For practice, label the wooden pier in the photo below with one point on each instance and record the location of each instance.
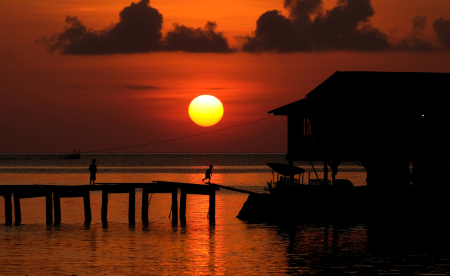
(53, 193)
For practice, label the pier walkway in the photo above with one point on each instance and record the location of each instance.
(53, 193)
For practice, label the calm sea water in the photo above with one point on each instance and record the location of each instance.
(229, 247)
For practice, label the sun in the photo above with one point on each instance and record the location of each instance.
(206, 110)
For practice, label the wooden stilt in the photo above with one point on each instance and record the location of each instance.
(8, 209)
(105, 206)
(291, 175)
(17, 213)
(87, 208)
(49, 208)
(54, 194)
(175, 206)
(57, 208)
(183, 206)
(144, 210)
(132, 207)
(212, 206)
(325, 173)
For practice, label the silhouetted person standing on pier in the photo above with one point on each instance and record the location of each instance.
(93, 171)
(208, 174)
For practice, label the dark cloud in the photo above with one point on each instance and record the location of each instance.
(182, 38)
(345, 27)
(140, 87)
(442, 29)
(139, 30)
(275, 32)
(306, 28)
(419, 24)
(414, 42)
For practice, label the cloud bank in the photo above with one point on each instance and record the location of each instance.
(138, 31)
(415, 42)
(182, 38)
(442, 29)
(347, 26)
(307, 27)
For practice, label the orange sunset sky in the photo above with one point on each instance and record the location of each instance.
(104, 80)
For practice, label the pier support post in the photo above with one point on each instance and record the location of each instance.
(8, 209)
(132, 207)
(183, 206)
(325, 173)
(49, 208)
(175, 205)
(17, 213)
(87, 208)
(212, 206)
(144, 210)
(57, 208)
(105, 206)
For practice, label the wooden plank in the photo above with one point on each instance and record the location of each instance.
(49, 208)
(175, 206)
(235, 189)
(212, 207)
(183, 206)
(132, 207)
(105, 206)
(17, 213)
(87, 208)
(144, 210)
(57, 208)
(8, 209)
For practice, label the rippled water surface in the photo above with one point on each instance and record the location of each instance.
(228, 247)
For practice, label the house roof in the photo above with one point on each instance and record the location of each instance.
(366, 91)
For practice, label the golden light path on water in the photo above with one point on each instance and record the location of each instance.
(228, 247)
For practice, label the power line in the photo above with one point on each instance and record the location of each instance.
(179, 138)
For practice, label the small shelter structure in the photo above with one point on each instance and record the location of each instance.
(385, 120)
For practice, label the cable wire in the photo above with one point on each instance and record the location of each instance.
(179, 138)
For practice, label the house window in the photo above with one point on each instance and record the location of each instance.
(306, 127)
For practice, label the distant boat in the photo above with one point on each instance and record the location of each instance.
(73, 155)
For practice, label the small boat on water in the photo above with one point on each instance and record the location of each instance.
(294, 195)
(73, 155)
(304, 200)
(283, 181)
(284, 172)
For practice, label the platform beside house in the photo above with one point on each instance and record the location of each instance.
(382, 120)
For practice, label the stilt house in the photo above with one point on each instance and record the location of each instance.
(384, 120)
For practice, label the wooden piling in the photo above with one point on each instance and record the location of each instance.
(49, 208)
(17, 213)
(54, 193)
(8, 209)
(87, 208)
(144, 210)
(175, 205)
(132, 207)
(183, 194)
(57, 208)
(212, 206)
(105, 206)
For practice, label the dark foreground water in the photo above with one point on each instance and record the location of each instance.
(229, 247)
